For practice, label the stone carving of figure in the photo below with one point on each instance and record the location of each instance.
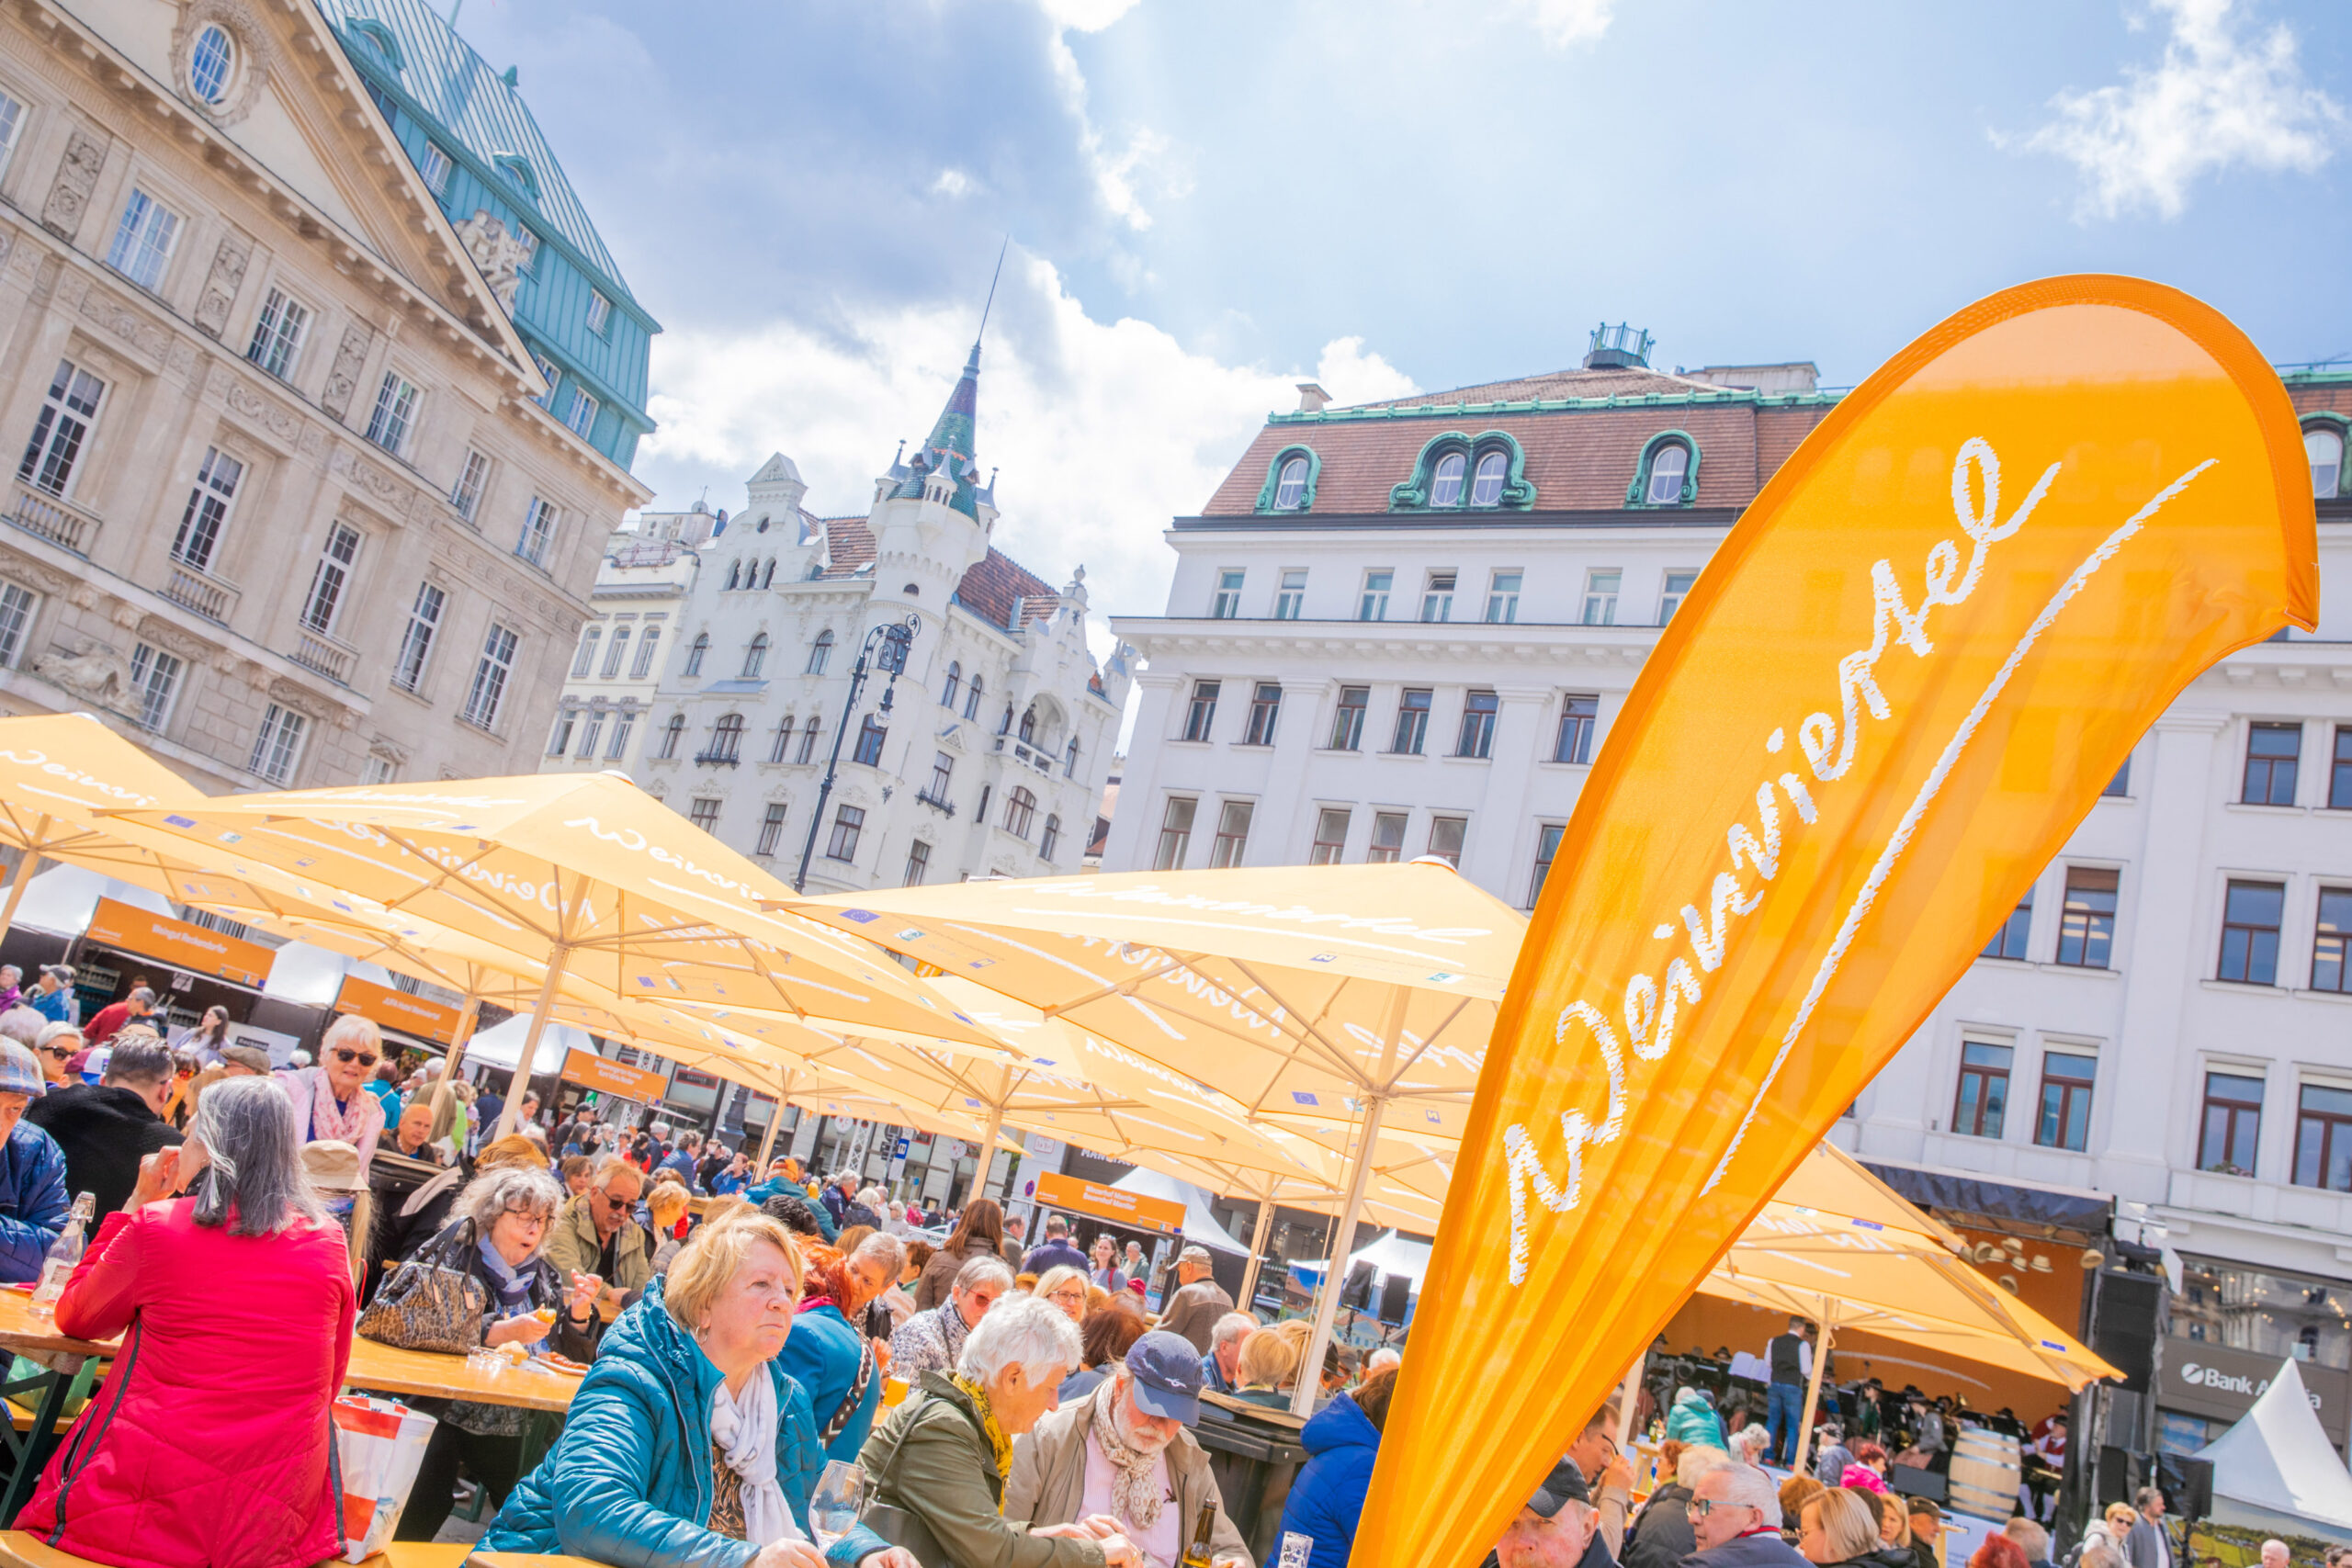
(94, 672)
(498, 251)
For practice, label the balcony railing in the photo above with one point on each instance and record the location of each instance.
(1022, 751)
(322, 655)
(201, 591)
(60, 522)
(935, 803)
(717, 757)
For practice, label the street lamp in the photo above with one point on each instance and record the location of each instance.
(885, 647)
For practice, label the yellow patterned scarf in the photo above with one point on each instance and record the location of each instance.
(996, 1440)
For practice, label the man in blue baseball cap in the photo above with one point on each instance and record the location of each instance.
(1122, 1461)
(1556, 1529)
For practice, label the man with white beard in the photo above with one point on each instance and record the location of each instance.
(1122, 1461)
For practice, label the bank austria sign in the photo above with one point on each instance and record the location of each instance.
(2221, 1382)
(2199, 1376)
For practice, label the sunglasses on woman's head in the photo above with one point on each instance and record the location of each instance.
(344, 1054)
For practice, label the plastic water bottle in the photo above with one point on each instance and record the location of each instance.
(64, 1255)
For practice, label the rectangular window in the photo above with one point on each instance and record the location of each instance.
(1983, 1094)
(2010, 941)
(1446, 838)
(331, 578)
(849, 822)
(917, 862)
(2339, 772)
(1437, 598)
(942, 775)
(646, 646)
(376, 770)
(2331, 942)
(704, 814)
(1678, 589)
(530, 243)
(870, 737)
(488, 689)
(2271, 751)
(435, 169)
(154, 681)
(1232, 834)
(388, 426)
(67, 412)
(12, 121)
(1265, 707)
(538, 529)
(278, 748)
(614, 653)
(1291, 599)
(278, 335)
(2065, 1119)
(1226, 604)
(551, 375)
(2230, 1128)
(1330, 836)
(143, 240)
(15, 614)
(1412, 721)
(600, 311)
(621, 729)
(473, 478)
(1600, 596)
(1477, 737)
(591, 733)
(1373, 605)
(560, 738)
(1578, 718)
(1175, 833)
(1387, 839)
(582, 417)
(2086, 920)
(1503, 598)
(2251, 912)
(207, 509)
(2323, 1138)
(1347, 722)
(1201, 717)
(2121, 784)
(416, 638)
(1548, 848)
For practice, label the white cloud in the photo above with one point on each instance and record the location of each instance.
(1561, 23)
(2216, 100)
(953, 183)
(1103, 430)
(1146, 156)
(1085, 15)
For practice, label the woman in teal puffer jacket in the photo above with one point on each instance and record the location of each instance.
(1693, 1420)
(653, 1470)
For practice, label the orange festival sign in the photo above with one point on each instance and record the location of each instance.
(1902, 681)
(394, 1009)
(608, 1076)
(1079, 1196)
(177, 942)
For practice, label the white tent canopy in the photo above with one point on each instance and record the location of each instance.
(1199, 1226)
(2276, 1470)
(62, 899)
(1392, 1253)
(501, 1046)
(313, 976)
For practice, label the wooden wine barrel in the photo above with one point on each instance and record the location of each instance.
(1984, 1474)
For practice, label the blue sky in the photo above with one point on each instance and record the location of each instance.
(1209, 200)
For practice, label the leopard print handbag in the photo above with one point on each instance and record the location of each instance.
(428, 1304)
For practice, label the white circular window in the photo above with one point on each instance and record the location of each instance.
(211, 63)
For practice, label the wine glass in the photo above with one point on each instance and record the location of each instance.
(839, 1498)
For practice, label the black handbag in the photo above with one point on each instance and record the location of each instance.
(429, 1305)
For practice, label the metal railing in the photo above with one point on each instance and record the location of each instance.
(935, 803)
(192, 588)
(58, 521)
(717, 757)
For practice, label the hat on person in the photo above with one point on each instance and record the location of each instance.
(1563, 1486)
(1164, 1371)
(61, 973)
(333, 1165)
(1195, 1254)
(1137, 1286)
(20, 1074)
(1924, 1505)
(251, 1058)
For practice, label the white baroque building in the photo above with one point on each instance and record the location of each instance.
(642, 584)
(1405, 628)
(990, 753)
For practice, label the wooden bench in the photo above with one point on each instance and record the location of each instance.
(19, 1550)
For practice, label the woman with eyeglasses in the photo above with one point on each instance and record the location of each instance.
(53, 1047)
(331, 1101)
(498, 1239)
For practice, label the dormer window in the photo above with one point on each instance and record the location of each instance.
(2324, 446)
(518, 172)
(1290, 481)
(1446, 490)
(1488, 487)
(1291, 486)
(1668, 474)
(1456, 471)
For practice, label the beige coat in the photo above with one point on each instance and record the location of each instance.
(1048, 1481)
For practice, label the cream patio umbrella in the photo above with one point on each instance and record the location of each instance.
(1329, 998)
(584, 874)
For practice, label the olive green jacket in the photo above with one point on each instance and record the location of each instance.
(930, 1457)
(572, 1247)
(1048, 1481)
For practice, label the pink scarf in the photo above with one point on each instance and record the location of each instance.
(351, 1126)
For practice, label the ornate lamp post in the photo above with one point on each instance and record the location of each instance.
(886, 648)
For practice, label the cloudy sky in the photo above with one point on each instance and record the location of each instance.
(1209, 200)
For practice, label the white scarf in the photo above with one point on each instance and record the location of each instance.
(743, 1431)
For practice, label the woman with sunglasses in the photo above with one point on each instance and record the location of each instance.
(331, 1101)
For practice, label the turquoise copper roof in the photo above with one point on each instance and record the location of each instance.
(950, 446)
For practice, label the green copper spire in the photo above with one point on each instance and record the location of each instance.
(950, 447)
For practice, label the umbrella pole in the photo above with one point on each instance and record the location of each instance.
(1256, 1251)
(775, 1120)
(26, 866)
(521, 1082)
(445, 1085)
(1327, 1301)
(1813, 1388)
(987, 1150)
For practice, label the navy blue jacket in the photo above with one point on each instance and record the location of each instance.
(1055, 1255)
(1759, 1549)
(1327, 1499)
(33, 1202)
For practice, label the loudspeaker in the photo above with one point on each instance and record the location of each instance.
(2126, 1324)
(2119, 1475)
(1395, 1294)
(1356, 1295)
(2188, 1484)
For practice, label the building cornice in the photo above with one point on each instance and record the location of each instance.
(1645, 520)
(1393, 641)
(1716, 397)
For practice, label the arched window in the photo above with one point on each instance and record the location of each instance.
(1029, 726)
(727, 739)
(820, 651)
(695, 654)
(1669, 466)
(1020, 810)
(1446, 490)
(767, 575)
(2324, 448)
(782, 739)
(755, 656)
(809, 739)
(948, 693)
(671, 733)
(734, 575)
(1051, 838)
(1291, 488)
(613, 655)
(972, 702)
(647, 646)
(1069, 760)
(1004, 725)
(1487, 489)
(585, 659)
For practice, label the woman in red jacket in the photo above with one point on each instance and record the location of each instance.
(208, 1446)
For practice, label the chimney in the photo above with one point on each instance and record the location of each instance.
(1312, 399)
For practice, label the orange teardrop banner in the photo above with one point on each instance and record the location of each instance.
(1902, 680)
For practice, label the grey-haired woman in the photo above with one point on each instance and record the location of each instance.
(497, 1238)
